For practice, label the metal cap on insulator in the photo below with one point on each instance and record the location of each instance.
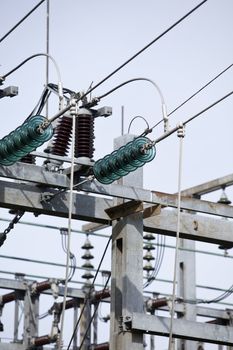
(87, 244)
(87, 275)
(148, 256)
(149, 237)
(149, 246)
(148, 267)
(87, 255)
(224, 199)
(87, 265)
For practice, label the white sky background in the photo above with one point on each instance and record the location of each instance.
(89, 39)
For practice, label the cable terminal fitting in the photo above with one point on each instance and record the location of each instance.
(73, 107)
(181, 130)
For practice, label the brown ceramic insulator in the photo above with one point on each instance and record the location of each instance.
(62, 137)
(84, 136)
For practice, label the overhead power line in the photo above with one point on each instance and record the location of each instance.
(130, 59)
(195, 93)
(147, 46)
(21, 21)
(198, 91)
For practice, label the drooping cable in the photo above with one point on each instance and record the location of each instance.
(3, 77)
(130, 59)
(164, 109)
(88, 295)
(181, 136)
(21, 21)
(137, 117)
(73, 265)
(73, 113)
(221, 297)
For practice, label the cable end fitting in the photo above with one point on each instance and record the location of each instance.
(165, 118)
(181, 130)
(2, 79)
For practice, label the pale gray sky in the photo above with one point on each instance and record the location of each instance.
(89, 39)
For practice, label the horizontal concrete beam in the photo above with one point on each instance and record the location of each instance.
(183, 329)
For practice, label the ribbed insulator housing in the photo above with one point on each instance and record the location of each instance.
(84, 134)
(29, 158)
(62, 137)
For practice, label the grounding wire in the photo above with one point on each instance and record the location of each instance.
(129, 60)
(23, 19)
(69, 229)
(195, 94)
(88, 295)
(181, 136)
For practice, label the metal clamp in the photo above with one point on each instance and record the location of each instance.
(125, 323)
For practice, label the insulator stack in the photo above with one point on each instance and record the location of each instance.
(84, 134)
(25, 139)
(124, 160)
(148, 247)
(62, 137)
(87, 256)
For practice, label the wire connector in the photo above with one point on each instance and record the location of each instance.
(181, 130)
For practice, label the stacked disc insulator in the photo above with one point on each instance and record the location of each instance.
(148, 257)
(87, 256)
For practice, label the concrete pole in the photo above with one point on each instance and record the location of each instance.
(187, 287)
(127, 268)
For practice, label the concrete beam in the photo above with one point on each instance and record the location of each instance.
(182, 329)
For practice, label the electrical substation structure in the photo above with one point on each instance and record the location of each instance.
(131, 210)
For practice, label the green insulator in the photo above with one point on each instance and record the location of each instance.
(100, 172)
(124, 160)
(144, 155)
(25, 139)
(114, 164)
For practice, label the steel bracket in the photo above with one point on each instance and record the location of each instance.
(125, 323)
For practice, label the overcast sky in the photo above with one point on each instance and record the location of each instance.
(89, 39)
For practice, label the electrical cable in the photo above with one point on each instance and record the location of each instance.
(88, 295)
(181, 136)
(202, 88)
(147, 46)
(130, 59)
(137, 117)
(17, 24)
(73, 113)
(195, 93)
(3, 77)
(165, 135)
(221, 297)
(72, 257)
(164, 109)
